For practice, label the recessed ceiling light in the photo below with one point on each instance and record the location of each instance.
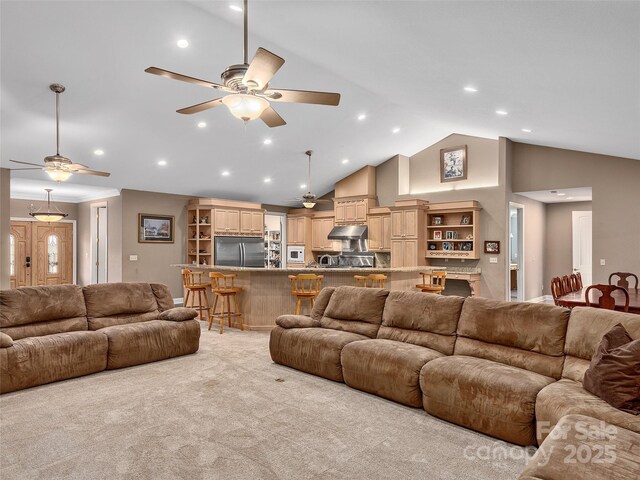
(526, 130)
(235, 8)
(304, 185)
(182, 43)
(560, 194)
(362, 116)
(395, 130)
(98, 152)
(267, 180)
(202, 124)
(225, 173)
(470, 89)
(346, 160)
(502, 112)
(267, 141)
(162, 163)
(569, 198)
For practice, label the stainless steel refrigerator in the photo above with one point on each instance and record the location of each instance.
(239, 252)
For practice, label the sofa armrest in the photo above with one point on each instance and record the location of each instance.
(5, 340)
(178, 314)
(297, 321)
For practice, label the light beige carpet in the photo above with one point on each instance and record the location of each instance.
(221, 414)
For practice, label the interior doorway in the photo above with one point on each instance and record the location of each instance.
(516, 253)
(582, 245)
(99, 273)
(41, 253)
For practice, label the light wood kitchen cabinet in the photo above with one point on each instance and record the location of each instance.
(351, 211)
(320, 228)
(226, 221)
(404, 224)
(251, 223)
(379, 227)
(404, 253)
(298, 230)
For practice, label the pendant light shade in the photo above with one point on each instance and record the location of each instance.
(245, 107)
(309, 204)
(48, 216)
(58, 175)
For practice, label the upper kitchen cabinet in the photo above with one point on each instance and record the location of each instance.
(226, 222)
(354, 195)
(351, 210)
(320, 228)
(379, 227)
(298, 230)
(252, 223)
(407, 236)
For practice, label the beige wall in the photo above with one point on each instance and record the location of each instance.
(362, 182)
(20, 208)
(616, 196)
(534, 245)
(153, 259)
(559, 253)
(5, 206)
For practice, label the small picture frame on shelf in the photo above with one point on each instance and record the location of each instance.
(451, 235)
(437, 220)
(433, 246)
(466, 220)
(492, 247)
(437, 234)
(466, 246)
(449, 246)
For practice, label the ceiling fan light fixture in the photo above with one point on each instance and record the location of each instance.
(58, 175)
(309, 204)
(244, 106)
(48, 216)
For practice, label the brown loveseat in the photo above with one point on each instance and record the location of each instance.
(52, 333)
(496, 367)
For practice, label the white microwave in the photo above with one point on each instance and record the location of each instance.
(295, 254)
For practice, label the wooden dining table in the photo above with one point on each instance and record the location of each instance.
(576, 299)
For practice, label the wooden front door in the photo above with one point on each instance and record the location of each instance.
(43, 253)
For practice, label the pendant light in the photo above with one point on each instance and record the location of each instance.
(48, 216)
(309, 199)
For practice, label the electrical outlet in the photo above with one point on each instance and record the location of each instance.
(493, 259)
(602, 262)
(133, 258)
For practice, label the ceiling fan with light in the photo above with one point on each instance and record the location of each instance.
(248, 86)
(309, 200)
(59, 168)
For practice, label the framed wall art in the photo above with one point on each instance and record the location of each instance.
(155, 228)
(492, 247)
(453, 164)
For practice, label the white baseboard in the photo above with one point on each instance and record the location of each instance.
(542, 299)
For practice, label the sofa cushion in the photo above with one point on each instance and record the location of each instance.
(567, 397)
(486, 396)
(5, 340)
(525, 335)
(35, 311)
(163, 296)
(178, 314)
(425, 320)
(614, 372)
(387, 368)
(321, 302)
(356, 310)
(151, 341)
(297, 321)
(586, 328)
(606, 453)
(111, 304)
(38, 360)
(312, 350)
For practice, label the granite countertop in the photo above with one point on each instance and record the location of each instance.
(458, 270)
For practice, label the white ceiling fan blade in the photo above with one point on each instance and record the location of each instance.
(262, 69)
(272, 118)
(302, 96)
(93, 172)
(201, 107)
(26, 163)
(183, 78)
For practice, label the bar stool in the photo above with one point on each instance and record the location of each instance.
(192, 283)
(374, 280)
(223, 287)
(435, 284)
(305, 285)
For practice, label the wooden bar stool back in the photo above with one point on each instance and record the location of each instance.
(606, 300)
(623, 282)
(435, 284)
(224, 289)
(192, 283)
(374, 280)
(305, 285)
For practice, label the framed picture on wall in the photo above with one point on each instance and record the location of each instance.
(155, 228)
(492, 247)
(453, 164)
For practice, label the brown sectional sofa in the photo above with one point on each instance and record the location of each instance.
(510, 370)
(52, 333)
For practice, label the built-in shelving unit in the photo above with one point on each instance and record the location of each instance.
(453, 231)
(199, 236)
(273, 249)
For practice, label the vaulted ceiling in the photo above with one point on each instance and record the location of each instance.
(567, 71)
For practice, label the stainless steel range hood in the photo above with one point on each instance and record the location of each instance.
(349, 232)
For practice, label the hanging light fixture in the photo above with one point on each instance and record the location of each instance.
(245, 106)
(48, 216)
(309, 199)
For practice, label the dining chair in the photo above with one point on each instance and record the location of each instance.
(623, 282)
(566, 284)
(305, 285)
(374, 280)
(435, 284)
(573, 279)
(606, 300)
(192, 283)
(223, 287)
(556, 289)
(579, 278)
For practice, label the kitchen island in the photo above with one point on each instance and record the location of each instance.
(266, 292)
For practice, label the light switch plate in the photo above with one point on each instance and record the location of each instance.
(133, 258)
(493, 259)
(603, 262)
